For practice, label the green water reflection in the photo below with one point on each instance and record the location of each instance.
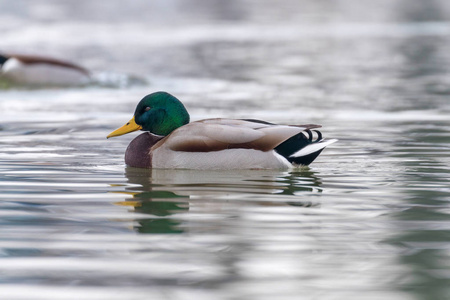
(165, 194)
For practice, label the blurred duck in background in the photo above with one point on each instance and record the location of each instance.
(32, 70)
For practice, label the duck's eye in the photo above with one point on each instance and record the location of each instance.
(147, 108)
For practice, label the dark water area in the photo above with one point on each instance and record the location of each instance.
(369, 219)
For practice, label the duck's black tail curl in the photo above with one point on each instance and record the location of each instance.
(303, 148)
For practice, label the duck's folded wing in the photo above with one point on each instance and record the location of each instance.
(222, 134)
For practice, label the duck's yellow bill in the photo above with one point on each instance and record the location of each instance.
(129, 127)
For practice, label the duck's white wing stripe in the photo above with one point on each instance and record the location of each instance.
(313, 148)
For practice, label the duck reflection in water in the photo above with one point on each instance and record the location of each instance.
(155, 202)
(165, 194)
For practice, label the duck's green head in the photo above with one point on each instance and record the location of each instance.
(160, 113)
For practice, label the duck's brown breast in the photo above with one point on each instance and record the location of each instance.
(138, 153)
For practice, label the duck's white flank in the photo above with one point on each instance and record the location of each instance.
(224, 159)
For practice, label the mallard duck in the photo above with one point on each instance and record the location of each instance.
(171, 142)
(41, 71)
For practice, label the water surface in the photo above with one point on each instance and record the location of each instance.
(369, 219)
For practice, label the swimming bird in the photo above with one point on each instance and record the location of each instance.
(41, 71)
(172, 142)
